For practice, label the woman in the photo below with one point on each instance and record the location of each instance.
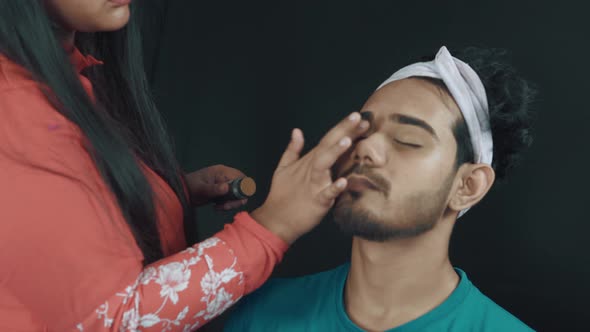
(92, 201)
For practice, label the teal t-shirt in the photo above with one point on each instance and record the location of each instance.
(315, 303)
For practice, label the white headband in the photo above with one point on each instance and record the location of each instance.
(467, 91)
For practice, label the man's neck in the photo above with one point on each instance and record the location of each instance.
(394, 282)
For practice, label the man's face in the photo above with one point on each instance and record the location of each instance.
(400, 174)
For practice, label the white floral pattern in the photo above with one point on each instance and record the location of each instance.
(191, 282)
(173, 278)
(102, 312)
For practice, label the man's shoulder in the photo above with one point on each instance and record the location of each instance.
(281, 299)
(294, 291)
(492, 315)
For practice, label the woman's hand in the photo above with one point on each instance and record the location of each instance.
(302, 189)
(211, 182)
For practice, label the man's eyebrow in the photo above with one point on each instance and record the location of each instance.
(410, 120)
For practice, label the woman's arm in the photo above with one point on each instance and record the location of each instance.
(184, 291)
(75, 265)
(68, 256)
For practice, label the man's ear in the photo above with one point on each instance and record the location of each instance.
(473, 183)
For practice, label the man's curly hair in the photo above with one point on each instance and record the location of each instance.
(510, 98)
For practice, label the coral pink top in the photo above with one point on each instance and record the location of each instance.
(68, 260)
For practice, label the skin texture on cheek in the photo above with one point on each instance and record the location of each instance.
(418, 190)
(402, 216)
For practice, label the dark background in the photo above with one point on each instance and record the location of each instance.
(233, 78)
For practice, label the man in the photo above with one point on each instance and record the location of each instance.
(441, 132)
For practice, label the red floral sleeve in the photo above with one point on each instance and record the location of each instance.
(184, 291)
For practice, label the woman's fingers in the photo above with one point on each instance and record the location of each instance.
(294, 148)
(341, 138)
(230, 205)
(329, 194)
(326, 157)
(352, 127)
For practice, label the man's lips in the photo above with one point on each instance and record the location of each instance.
(360, 183)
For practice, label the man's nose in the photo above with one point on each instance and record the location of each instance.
(370, 151)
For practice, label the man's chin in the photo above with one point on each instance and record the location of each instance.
(356, 221)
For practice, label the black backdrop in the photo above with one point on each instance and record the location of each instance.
(232, 79)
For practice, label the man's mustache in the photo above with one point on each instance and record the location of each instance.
(382, 183)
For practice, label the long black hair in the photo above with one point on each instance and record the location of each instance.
(122, 128)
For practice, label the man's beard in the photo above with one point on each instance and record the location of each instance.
(420, 213)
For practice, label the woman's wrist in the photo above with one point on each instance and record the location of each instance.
(279, 229)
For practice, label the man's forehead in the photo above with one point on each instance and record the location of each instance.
(414, 97)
